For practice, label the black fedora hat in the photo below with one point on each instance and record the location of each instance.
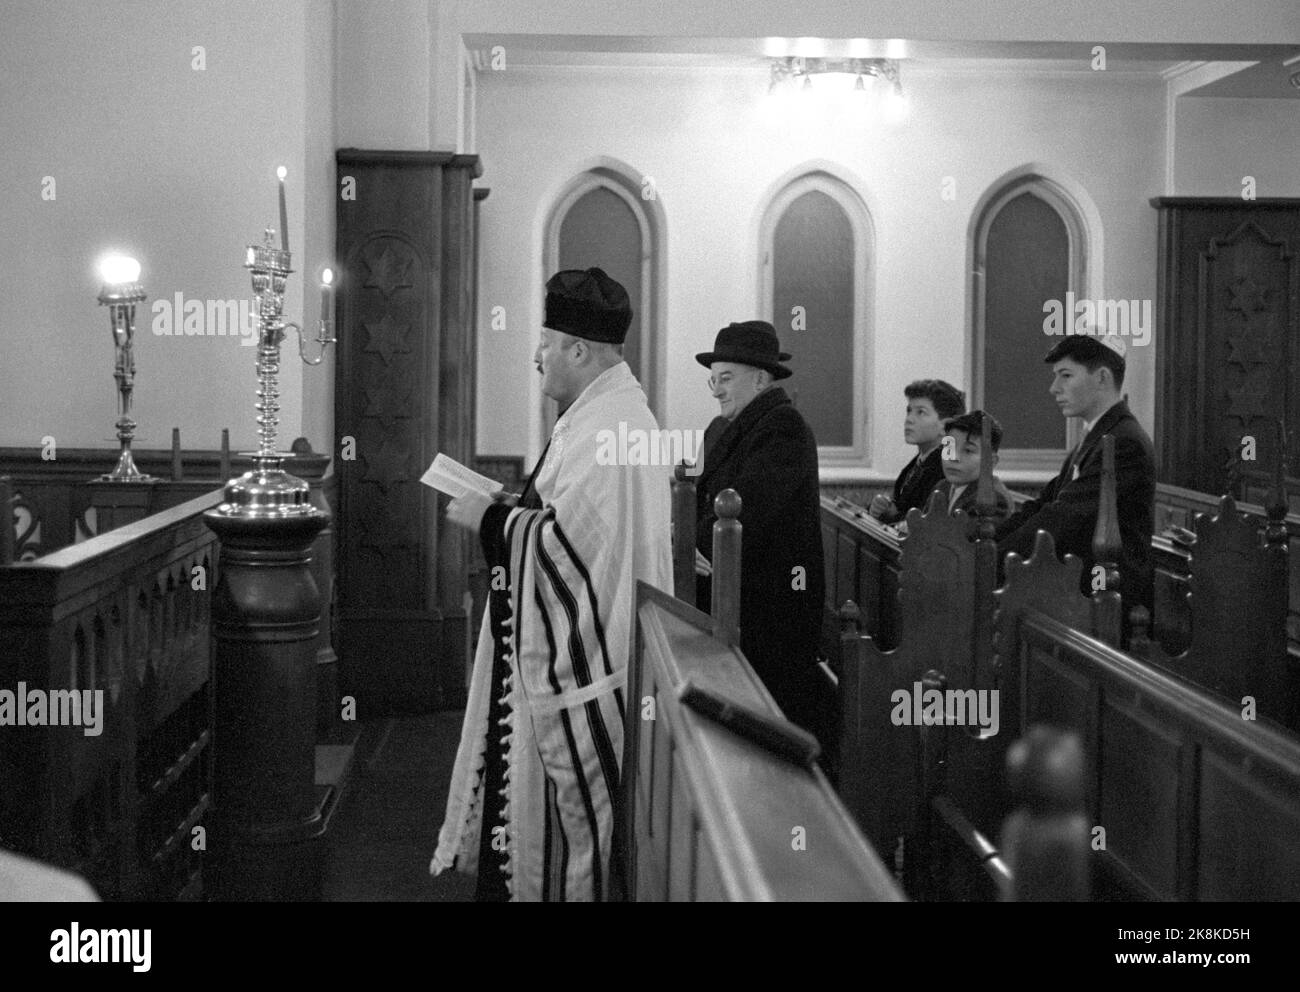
(752, 342)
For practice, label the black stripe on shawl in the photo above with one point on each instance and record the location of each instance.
(548, 810)
(595, 719)
(550, 640)
(581, 671)
(604, 749)
(592, 820)
(591, 594)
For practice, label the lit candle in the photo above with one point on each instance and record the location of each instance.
(326, 289)
(284, 213)
(251, 259)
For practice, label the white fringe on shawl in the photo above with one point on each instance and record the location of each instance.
(566, 689)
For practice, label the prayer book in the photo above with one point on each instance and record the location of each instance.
(451, 477)
(772, 733)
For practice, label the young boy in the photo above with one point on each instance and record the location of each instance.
(960, 458)
(929, 403)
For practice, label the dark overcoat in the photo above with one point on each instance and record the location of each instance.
(769, 456)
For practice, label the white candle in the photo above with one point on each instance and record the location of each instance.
(326, 290)
(284, 213)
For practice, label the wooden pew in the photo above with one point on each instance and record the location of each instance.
(1235, 598)
(911, 786)
(709, 815)
(1233, 603)
(862, 565)
(1194, 802)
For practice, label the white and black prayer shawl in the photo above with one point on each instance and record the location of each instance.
(563, 610)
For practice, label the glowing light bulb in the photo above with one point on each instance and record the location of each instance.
(119, 270)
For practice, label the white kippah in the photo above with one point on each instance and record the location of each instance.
(1115, 343)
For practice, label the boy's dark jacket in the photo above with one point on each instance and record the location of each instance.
(915, 483)
(769, 456)
(1067, 506)
(1006, 504)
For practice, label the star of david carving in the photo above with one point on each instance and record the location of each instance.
(387, 337)
(389, 401)
(1246, 350)
(387, 466)
(388, 272)
(1247, 400)
(1248, 296)
(381, 527)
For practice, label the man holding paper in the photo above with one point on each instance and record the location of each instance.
(536, 779)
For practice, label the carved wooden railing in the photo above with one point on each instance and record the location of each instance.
(125, 614)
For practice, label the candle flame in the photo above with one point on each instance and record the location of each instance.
(327, 276)
(282, 172)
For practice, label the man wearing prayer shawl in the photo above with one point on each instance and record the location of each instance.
(533, 794)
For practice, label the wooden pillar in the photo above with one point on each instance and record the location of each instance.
(268, 813)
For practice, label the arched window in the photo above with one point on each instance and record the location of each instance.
(1030, 247)
(600, 219)
(817, 253)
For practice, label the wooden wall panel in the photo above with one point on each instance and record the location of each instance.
(403, 392)
(1227, 339)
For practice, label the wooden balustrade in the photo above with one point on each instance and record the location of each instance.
(126, 614)
(708, 814)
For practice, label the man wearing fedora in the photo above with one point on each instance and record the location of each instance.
(761, 447)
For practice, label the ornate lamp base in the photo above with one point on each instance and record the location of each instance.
(267, 492)
(126, 470)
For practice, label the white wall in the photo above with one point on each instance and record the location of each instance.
(703, 137)
(173, 165)
(1218, 142)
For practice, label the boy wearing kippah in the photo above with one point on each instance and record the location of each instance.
(1087, 376)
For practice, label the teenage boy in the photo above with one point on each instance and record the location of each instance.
(1087, 376)
(961, 447)
(929, 403)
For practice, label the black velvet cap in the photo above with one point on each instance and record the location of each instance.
(587, 304)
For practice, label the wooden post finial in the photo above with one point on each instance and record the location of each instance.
(1106, 547)
(1045, 841)
(985, 501)
(726, 566)
(850, 617)
(178, 473)
(684, 534)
